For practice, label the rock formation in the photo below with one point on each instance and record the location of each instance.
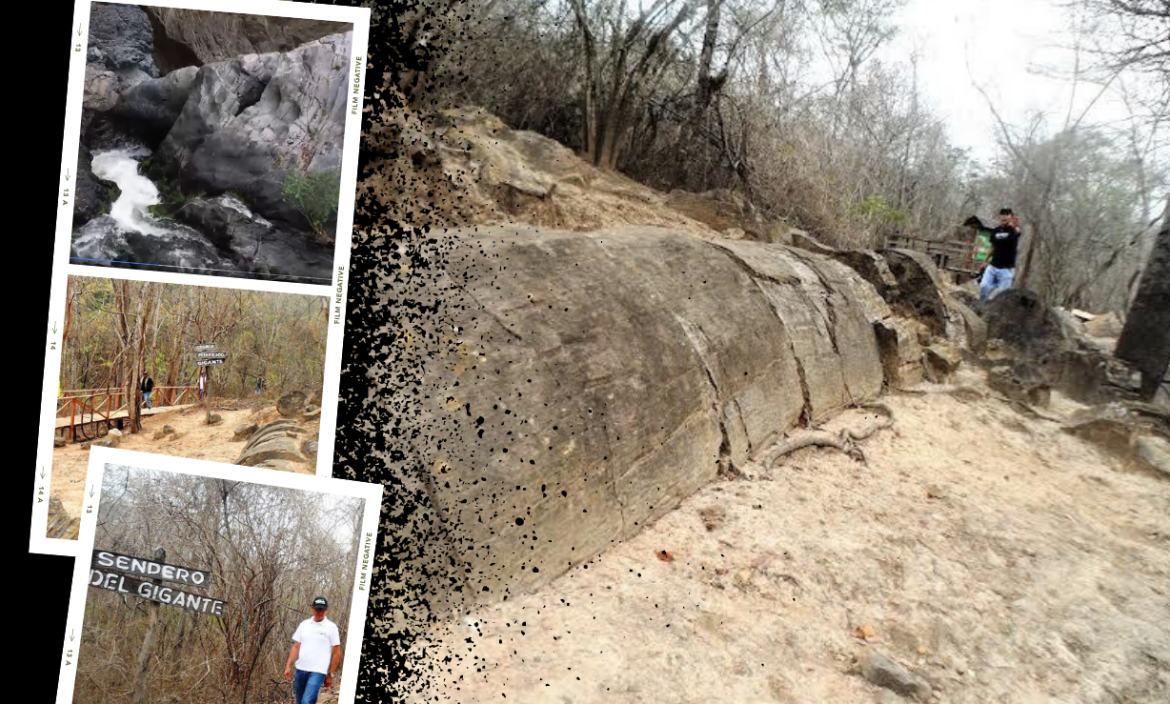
(276, 445)
(605, 378)
(177, 137)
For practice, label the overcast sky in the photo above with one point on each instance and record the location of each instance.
(1004, 41)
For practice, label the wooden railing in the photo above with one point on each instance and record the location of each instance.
(949, 255)
(85, 406)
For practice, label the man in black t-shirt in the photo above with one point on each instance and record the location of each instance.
(1001, 265)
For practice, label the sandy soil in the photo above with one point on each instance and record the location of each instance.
(993, 555)
(193, 439)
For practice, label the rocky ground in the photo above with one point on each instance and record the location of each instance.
(192, 439)
(982, 555)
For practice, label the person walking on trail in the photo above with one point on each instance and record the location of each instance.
(201, 384)
(1001, 264)
(259, 385)
(314, 656)
(146, 385)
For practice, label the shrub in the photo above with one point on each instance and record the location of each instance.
(315, 194)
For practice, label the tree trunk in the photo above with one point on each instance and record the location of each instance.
(1145, 338)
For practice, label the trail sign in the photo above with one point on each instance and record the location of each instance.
(148, 568)
(211, 355)
(204, 347)
(123, 584)
(208, 362)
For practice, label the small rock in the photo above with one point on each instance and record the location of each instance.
(215, 419)
(291, 404)
(160, 435)
(1107, 325)
(168, 429)
(941, 361)
(1022, 382)
(884, 672)
(312, 412)
(86, 445)
(713, 516)
(1153, 454)
(115, 432)
(59, 441)
(934, 491)
(245, 431)
(109, 441)
(309, 449)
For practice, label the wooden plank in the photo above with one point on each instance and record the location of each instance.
(66, 422)
(124, 584)
(146, 567)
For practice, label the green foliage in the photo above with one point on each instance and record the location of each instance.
(315, 194)
(875, 208)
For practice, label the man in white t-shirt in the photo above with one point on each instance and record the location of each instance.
(315, 653)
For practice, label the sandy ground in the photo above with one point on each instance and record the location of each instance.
(993, 555)
(193, 439)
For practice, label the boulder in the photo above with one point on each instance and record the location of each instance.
(243, 432)
(291, 404)
(61, 525)
(92, 196)
(253, 243)
(901, 354)
(309, 449)
(1093, 376)
(1153, 455)
(59, 441)
(251, 123)
(108, 441)
(921, 294)
(122, 41)
(274, 442)
(101, 89)
(882, 671)
(941, 361)
(1107, 426)
(272, 447)
(203, 37)
(1022, 382)
(155, 104)
(1020, 318)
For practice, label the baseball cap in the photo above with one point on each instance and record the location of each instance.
(320, 603)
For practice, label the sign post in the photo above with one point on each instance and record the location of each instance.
(111, 571)
(206, 356)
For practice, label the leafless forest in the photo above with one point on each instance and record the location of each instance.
(114, 329)
(269, 550)
(803, 107)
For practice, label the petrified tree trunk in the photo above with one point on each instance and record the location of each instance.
(1145, 339)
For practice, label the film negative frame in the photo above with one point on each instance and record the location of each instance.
(62, 267)
(79, 587)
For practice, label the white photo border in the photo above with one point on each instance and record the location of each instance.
(335, 291)
(79, 587)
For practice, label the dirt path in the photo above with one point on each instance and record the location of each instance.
(995, 556)
(193, 439)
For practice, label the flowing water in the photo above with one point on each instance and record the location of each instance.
(130, 234)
